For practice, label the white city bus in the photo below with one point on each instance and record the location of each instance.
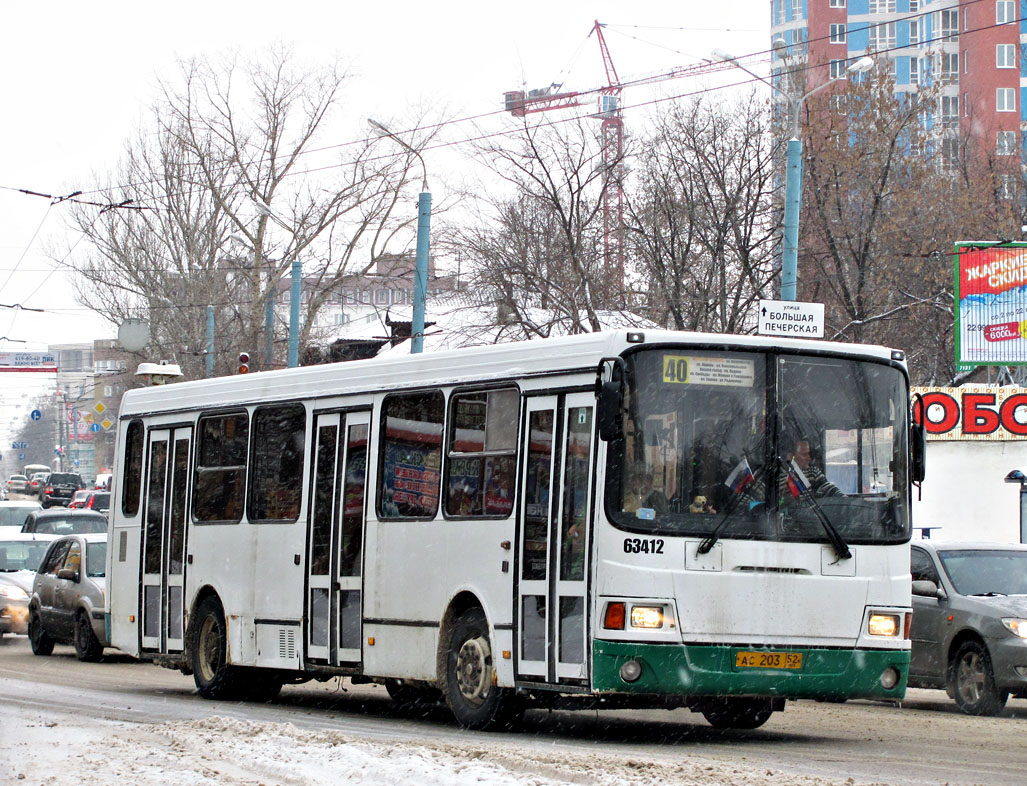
(464, 523)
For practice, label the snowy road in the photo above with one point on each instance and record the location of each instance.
(120, 722)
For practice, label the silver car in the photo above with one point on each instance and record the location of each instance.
(67, 603)
(969, 631)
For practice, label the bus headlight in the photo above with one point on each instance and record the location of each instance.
(646, 617)
(883, 625)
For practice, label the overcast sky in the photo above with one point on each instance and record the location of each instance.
(78, 78)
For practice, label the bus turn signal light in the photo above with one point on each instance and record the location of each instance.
(614, 617)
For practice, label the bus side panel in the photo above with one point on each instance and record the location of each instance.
(276, 604)
(413, 571)
(123, 544)
(223, 559)
(123, 585)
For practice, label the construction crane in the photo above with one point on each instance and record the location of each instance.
(520, 103)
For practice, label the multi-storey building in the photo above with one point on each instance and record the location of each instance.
(968, 50)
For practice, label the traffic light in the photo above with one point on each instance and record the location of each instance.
(244, 362)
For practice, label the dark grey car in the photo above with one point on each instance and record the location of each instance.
(67, 602)
(64, 522)
(969, 632)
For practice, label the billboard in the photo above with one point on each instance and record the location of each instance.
(978, 413)
(991, 304)
(28, 361)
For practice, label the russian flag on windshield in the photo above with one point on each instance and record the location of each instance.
(740, 477)
(798, 483)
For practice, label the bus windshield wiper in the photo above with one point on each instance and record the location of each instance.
(710, 540)
(841, 548)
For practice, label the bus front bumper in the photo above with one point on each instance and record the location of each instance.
(713, 670)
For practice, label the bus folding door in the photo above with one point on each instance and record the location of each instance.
(555, 536)
(335, 538)
(164, 539)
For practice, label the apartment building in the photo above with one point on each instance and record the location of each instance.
(970, 50)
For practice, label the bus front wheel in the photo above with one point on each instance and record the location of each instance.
(474, 700)
(213, 676)
(733, 712)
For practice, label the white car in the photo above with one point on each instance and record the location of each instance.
(14, 512)
(20, 557)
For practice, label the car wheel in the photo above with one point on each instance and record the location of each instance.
(214, 678)
(473, 699)
(87, 646)
(972, 681)
(41, 643)
(732, 712)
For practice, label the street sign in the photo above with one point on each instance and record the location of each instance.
(35, 414)
(99, 408)
(95, 427)
(791, 318)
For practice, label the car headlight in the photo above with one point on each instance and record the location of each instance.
(1017, 625)
(883, 625)
(13, 593)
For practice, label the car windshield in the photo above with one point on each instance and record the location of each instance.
(64, 479)
(71, 524)
(96, 559)
(21, 555)
(707, 432)
(986, 571)
(14, 516)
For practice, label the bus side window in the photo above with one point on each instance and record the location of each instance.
(411, 455)
(133, 477)
(276, 471)
(219, 477)
(480, 463)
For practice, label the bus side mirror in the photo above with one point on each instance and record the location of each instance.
(918, 452)
(611, 405)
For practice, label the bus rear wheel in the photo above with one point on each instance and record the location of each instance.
(214, 678)
(473, 699)
(735, 712)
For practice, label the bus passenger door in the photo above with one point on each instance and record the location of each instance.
(164, 540)
(336, 537)
(322, 516)
(555, 534)
(349, 540)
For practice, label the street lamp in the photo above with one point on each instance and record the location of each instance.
(423, 230)
(793, 163)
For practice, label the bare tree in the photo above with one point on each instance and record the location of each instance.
(885, 199)
(701, 216)
(235, 188)
(536, 249)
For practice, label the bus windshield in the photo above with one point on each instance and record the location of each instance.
(706, 433)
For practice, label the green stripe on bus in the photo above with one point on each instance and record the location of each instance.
(707, 670)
